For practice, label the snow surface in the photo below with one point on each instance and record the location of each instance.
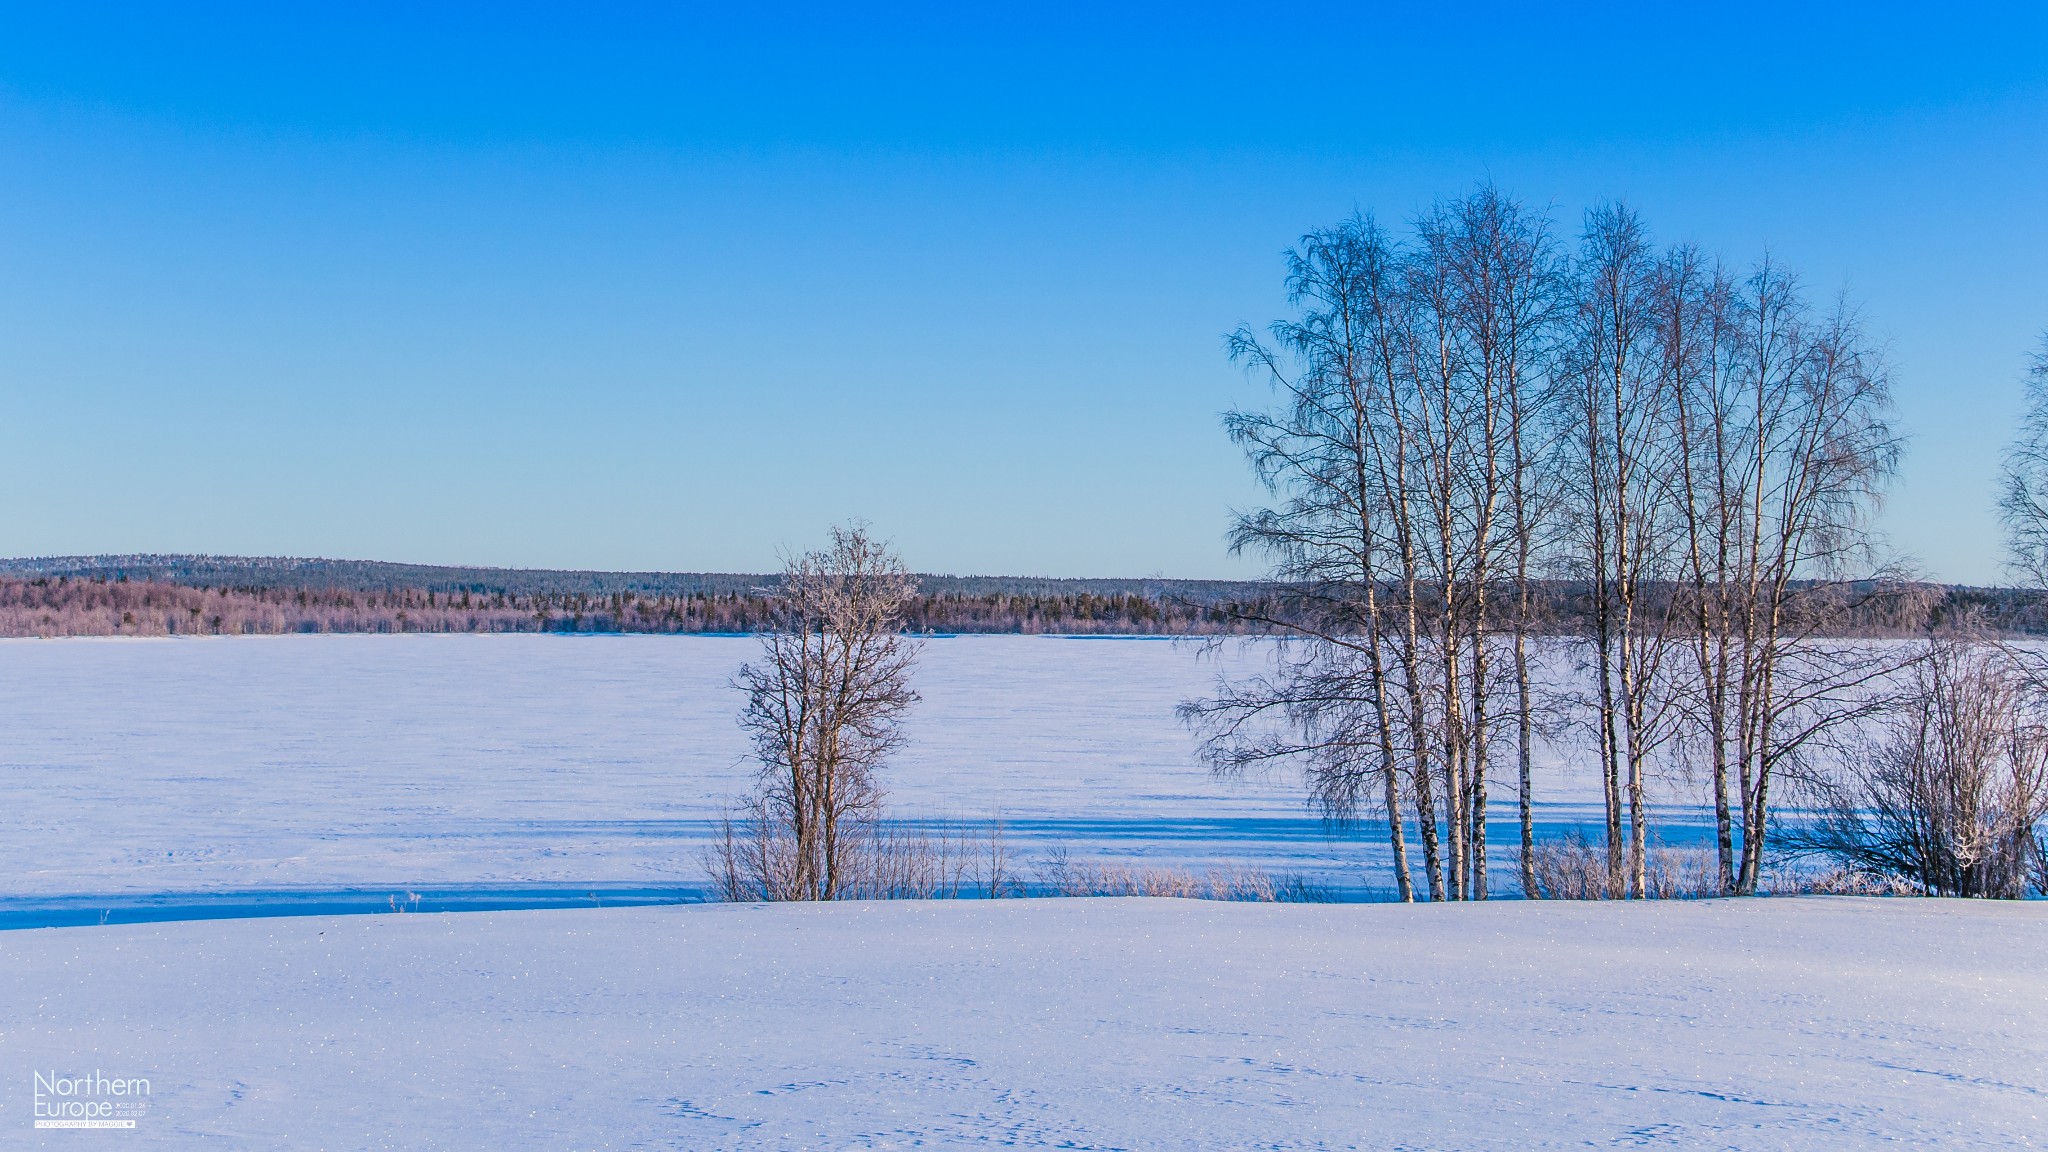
(1133, 1024)
(207, 765)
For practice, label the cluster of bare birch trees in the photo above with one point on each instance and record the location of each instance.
(1604, 494)
(1473, 414)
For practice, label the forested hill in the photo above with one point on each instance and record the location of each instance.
(215, 595)
(278, 572)
(210, 595)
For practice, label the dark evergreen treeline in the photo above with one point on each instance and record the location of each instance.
(114, 606)
(67, 606)
(291, 573)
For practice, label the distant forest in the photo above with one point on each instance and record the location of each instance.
(208, 596)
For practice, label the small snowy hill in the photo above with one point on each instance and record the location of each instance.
(1139, 1024)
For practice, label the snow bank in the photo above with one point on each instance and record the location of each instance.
(1140, 1024)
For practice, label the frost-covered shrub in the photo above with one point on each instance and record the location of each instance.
(1682, 874)
(1837, 881)
(1060, 875)
(1574, 867)
(1950, 792)
(929, 860)
(1571, 867)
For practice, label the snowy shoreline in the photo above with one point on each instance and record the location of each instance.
(1123, 1023)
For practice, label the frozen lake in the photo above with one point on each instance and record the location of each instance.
(474, 765)
(319, 775)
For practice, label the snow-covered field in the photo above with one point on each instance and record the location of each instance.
(400, 762)
(1129, 1024)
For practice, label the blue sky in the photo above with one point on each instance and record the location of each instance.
(675, 287)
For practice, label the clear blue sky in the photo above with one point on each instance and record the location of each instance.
(671, 287)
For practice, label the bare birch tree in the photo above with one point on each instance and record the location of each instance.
(1695, 317)
(1507, 288)
(1816, 414)
(824, 708)
(1332, 703)
(2023, 499)
(1621, 533)
(1406, 453)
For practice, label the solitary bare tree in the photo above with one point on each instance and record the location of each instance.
(824, 707)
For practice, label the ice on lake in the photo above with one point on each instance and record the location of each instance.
(315, 762)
